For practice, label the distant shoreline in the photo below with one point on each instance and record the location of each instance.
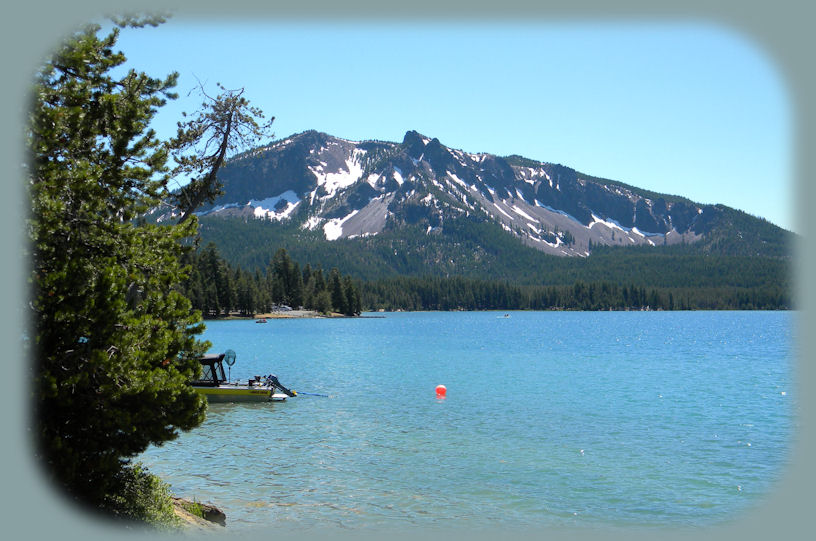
(289, 314)
(379, 314)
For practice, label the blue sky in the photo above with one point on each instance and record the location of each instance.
(686, 109)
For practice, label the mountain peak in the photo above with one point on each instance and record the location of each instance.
(414, 143)
(350, 189)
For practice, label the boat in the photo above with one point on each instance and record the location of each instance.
(218, 388)
(260, 320)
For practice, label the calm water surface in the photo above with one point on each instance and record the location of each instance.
(619, 419)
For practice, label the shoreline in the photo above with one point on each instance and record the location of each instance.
(291, 314)
(379, 314)
(296, 314)
(204, 516)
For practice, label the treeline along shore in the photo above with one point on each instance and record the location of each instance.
(219, 289)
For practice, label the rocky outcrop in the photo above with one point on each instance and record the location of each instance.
(212, 519)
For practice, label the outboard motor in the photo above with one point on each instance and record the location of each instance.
(272, 380)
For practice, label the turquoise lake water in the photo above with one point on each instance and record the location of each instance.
(575, 419)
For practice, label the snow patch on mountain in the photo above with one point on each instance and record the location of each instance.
(372, 179)
(523, 214)
(333, 229)
(611, 224)
(557, 211)
(502, 211)
(271, 208)
(457, 180)
(312, 222)
(333, 182)
(218, 208)
(645, 235)
(361, 236)
(398, 175)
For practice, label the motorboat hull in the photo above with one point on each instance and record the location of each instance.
(233, 393)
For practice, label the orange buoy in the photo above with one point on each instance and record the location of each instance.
(441, 390)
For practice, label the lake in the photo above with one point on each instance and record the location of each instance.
(552, 419)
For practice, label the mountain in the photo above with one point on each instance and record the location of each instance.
(344, 190)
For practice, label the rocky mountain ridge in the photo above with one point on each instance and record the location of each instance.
(348, 189)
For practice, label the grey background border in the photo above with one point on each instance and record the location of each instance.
(29, 29)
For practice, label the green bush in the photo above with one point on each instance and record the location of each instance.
(142, 497)
(194, 508)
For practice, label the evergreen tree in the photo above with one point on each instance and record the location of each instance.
(195, 288)
(319, 281)
(353, 304)
(296, 293)
(220, 290)
(246, 293)
(323, 302)
(113, 339)
(308, 293)
(224, 124)
(263, 301)
(338, 294)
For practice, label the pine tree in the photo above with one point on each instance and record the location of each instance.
(113, 339)
(323, 302)
(320, 281)
(338, 294)
(353, 304)
(295, 286)
(225, 123)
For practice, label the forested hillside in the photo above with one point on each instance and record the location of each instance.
(659, 278)
(481, 250)
(473, 294)
(479, 254)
